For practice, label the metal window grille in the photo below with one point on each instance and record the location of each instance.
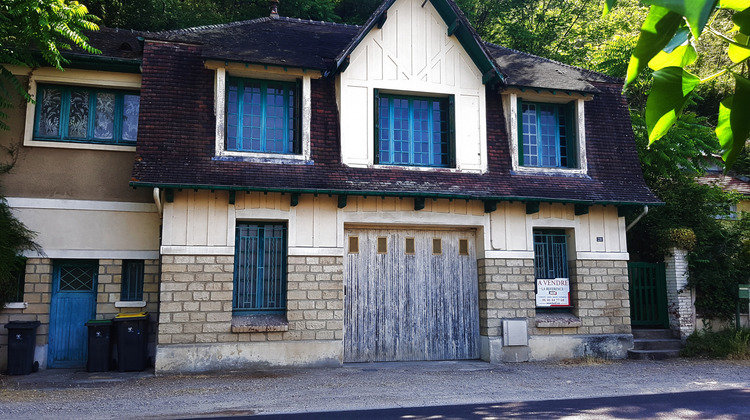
(132, 280)
(550, 254)
(260, 269)
(77, 276)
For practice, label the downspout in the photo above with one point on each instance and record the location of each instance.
(157, 201)
(637, 219)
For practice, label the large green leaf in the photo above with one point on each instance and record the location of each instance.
(736, 53)
(672, 87)
(697, 12)
(608, 5)
(733, 126)
(742, 20)
(734, 4)
(657, 30)
(682, 56)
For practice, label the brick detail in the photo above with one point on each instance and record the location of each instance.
(680, 298)
(196, 301)
(599, 291)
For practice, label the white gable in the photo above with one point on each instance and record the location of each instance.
(412, 54)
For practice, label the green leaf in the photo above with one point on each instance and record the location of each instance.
(736, 53)
(733, 125)
(608, 5)
(680, 57)
(742, 20)
(734, 4)
(672, 87)
(657, 30)
(697, 12)
(680, 38)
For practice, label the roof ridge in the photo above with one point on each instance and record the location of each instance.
(194, 29)
(316, 22)
(581, 69)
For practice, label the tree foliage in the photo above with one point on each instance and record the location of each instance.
(31, 32)
(668, 44)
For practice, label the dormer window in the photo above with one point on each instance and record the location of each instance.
(262, 116)
(414, 130)
(547, 131)
(547, 135)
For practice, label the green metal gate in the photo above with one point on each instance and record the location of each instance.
(648, 294)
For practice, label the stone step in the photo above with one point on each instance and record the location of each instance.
(652, 354)
(657, 344)
(653, 334)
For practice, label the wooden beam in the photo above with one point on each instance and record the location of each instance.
(532, 207)
(381, 20)
(232, 197)
(169, 195)
(418, 203)
(490, 206)
(454, 27)
(294, 199)
(342, 201)
(581, 209)
(346, 63)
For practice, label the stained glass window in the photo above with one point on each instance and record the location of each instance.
(79, 114)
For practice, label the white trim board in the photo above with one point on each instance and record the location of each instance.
(62, 204)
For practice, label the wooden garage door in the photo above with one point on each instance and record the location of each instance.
(410, 295)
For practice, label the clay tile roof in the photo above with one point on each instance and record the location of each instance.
(278, 41)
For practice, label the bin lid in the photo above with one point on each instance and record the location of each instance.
(98, 322)
(134, 316)
(22, 325)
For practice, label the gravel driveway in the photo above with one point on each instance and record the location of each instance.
(72, 394)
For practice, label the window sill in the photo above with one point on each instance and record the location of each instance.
(263, 158)
(532, 170)
(130, 304)
(16, 305)
(557, 320)
(259, 323)
(57, 144)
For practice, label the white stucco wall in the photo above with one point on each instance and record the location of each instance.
(412, 54)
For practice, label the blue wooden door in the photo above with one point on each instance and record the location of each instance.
(73, 304)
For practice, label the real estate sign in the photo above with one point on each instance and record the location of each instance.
(552, 292)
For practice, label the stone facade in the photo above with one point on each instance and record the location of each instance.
(598, 324)
(196, 301)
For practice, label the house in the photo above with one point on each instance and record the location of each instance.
(310, 193)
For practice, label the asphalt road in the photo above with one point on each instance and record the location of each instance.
(678, 388)
(726, 404)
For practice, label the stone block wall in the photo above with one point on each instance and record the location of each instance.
(196, 301)
(506, 290)
(599, 293)
(109, 287)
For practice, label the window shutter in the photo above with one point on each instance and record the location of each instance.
(298, 117)
(452, 131)
(572, 137)
(519, 120)
(376, 136)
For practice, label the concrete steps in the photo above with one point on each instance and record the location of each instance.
(654, 344)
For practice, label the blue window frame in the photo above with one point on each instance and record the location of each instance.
(132, 280)
(260, 269)
(546, 135)
(263, 116)
(414, 131)
(86, 115)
